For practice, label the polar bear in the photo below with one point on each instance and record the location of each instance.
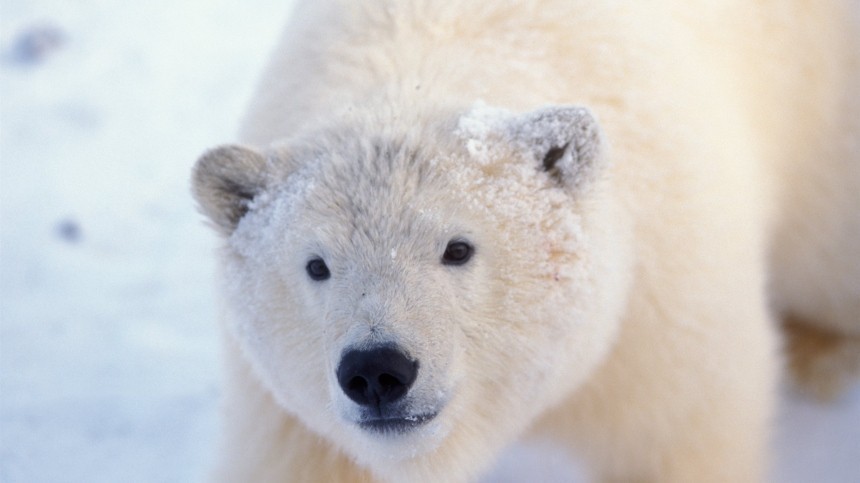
(454, 224)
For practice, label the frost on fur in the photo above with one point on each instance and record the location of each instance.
(565, 141)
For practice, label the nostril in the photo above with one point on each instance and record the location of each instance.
(388, 381)
(357, 384)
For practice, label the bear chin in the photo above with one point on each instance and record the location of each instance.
(397, 439)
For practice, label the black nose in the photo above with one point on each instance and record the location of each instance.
(377, 376)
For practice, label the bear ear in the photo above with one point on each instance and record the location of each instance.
(564, 141)
(225, 181)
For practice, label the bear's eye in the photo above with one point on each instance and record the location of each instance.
(317, 269)
(457, 252)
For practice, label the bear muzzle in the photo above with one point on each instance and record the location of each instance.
(378, 379)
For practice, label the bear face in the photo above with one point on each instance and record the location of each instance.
(383, 275)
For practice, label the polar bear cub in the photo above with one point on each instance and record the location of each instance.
(451, 226)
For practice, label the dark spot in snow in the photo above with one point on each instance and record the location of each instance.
(36, 42)
(69, 230)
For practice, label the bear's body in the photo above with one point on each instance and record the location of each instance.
(612, 284)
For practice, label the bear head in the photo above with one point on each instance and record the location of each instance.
(416, 284)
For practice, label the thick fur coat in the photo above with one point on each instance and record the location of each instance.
(580, 219)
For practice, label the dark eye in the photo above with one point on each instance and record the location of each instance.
(317, 269)
(457, 253)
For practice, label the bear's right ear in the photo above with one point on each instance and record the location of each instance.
(225, 181)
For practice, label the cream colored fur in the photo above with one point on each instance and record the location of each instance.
(631, 316)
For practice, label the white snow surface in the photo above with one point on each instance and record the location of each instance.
(108, 341)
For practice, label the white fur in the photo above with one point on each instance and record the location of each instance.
(621, 307)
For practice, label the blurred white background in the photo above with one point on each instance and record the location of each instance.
(108, 344)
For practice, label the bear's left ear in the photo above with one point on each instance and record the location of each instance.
(225, 181)
(564, 141)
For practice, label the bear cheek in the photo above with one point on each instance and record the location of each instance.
(285, 352)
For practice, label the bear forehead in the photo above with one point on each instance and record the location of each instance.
(378, 188)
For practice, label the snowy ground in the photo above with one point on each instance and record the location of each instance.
(108, 348)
